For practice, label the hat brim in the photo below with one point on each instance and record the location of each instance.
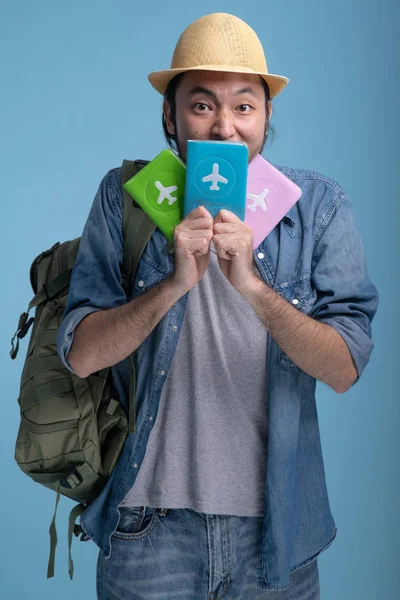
(160, 79)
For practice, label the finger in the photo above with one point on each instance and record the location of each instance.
(231, 245)
(197, 213)
(228, 228)
(184, 238)
(224, 247)
(193, 246)
(221, 253)
(228, 217)
(201, 223)
(189, 234)
(238, 231)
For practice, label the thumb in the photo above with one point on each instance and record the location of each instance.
(226, 216)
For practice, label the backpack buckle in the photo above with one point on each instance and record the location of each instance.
(24, 330)
(72, 480)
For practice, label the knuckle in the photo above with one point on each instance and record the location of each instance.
(180, 238)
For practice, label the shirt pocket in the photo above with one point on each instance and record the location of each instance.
(302, 297)
(148, 275)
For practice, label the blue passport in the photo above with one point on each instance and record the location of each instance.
(216, 176)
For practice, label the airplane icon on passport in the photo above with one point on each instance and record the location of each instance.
(259, 200)
(165, 192)
(215, 178)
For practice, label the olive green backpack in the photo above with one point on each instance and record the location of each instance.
(72, 430)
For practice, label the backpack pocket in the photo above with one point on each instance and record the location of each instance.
(72, 430)
(48, 403)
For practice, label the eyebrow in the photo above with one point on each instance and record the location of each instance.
(202, 90)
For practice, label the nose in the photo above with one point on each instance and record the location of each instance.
(223, 127)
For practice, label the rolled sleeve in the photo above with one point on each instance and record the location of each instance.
(346, 298)
(96, 282)
(65, 334)
(357, 340)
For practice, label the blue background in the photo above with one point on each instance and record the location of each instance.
(75, 101)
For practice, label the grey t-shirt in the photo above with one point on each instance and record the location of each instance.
(208, 447)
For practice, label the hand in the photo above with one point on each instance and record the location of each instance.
(192, 239)
(233, 241)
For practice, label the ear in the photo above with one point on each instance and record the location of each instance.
(167, 115)
(269, 109)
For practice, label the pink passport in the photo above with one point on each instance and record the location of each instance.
(269, 196)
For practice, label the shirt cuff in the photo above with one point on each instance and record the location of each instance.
(359, 343)
(65, 334)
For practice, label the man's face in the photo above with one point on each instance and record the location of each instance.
(228, 107)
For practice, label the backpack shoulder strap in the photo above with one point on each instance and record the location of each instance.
(137, 226)
(137, 230)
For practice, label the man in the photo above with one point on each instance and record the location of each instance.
(221, 491)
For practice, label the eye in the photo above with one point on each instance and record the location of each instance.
(244, 108)
(201, 106)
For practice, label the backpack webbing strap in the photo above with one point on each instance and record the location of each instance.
(137, 226)
(72, 528)
(137, 230)
(52, 289)
(53, 538)
(132, 396)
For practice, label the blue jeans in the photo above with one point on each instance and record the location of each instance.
(182, 554)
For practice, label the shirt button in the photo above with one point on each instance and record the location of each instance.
(174, 328)
(150, 418)
(140, 283)
(295, 301)
(162, 373)
(260, 255)
(135, 465)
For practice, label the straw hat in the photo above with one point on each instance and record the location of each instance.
(219, 42)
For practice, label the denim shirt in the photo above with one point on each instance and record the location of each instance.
(314, 259)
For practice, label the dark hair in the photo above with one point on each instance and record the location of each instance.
(170, 97)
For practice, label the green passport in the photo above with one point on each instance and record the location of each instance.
(159, 188)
